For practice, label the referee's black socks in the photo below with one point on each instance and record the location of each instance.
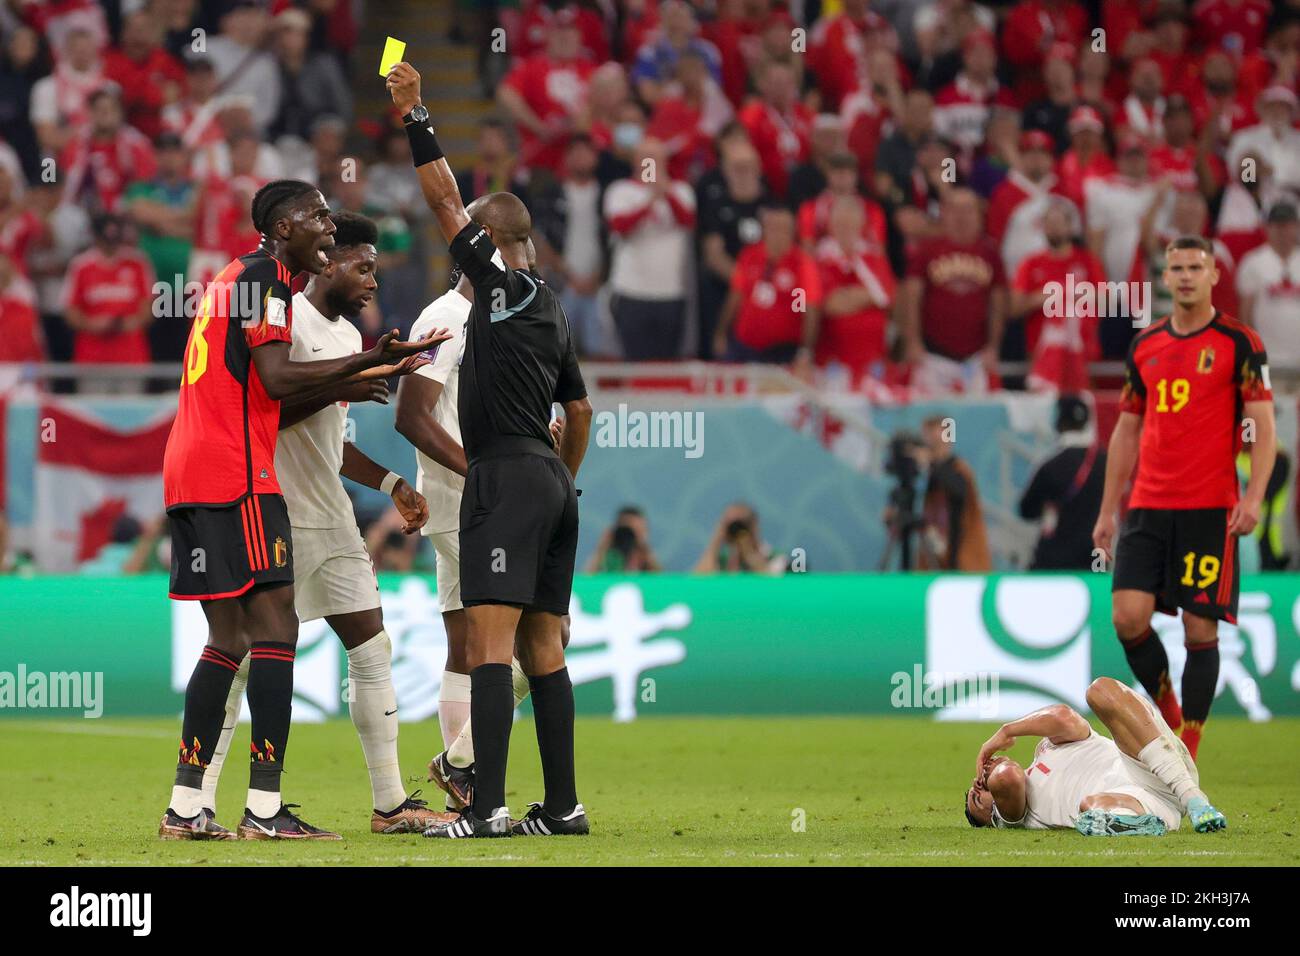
(553, 713)
(491, 711)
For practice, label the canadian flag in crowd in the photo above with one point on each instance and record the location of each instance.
(87, 477)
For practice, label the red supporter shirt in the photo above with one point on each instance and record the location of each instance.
(109, 289)
(143, 83)
(815, 216)
(1037, 270)
(1191, 390)
(782, 140)
(1236, 27)
(769, 313)
(222, 444)
(957, 283)
(18, 234)
(552, 91)
(855, 339)
(102, 169)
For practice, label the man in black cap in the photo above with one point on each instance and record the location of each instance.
(1065, 492)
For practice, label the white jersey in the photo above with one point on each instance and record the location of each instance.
(309, 454)
(1061, 775)
(442, 487)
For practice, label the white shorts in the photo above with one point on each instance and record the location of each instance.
(1148, 789)
(332, 573)
(446, 547)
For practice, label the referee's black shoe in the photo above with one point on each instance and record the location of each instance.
(497, 825)
(537, 822)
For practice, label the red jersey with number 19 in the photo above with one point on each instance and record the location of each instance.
(222, 444)
(1190, 390)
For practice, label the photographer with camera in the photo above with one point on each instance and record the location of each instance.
(624, 546)
(737, 546)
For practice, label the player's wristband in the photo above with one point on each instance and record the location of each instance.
(424, 143)
(390, 482)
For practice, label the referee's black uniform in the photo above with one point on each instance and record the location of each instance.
(519, 512)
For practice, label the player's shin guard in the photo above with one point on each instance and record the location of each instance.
(1200, 679)
(1164, 758)
(461, 752)
(270, 703)
(372, 702)
(1150, 665)
(553, 713)
(234, 700)
(205, 700)
(491, 714)
(453, 706)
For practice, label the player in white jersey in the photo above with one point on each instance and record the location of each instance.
(1140, 782)
(334, 577)
(427, 415)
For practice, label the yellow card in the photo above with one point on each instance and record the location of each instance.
(394, 50)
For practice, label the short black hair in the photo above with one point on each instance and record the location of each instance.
(272, 201)
(965, 808)
(1191, 242)
(354, 229)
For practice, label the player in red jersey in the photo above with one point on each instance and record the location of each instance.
(231, 545)
(1196, 388)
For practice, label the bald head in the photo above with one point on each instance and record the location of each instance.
(504, 215)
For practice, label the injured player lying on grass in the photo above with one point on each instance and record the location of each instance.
(1139, 783)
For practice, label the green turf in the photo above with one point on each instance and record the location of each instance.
(878, 791)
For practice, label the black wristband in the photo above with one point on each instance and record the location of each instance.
(424, 144)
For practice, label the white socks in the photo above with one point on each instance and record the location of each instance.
(373, 705)
(453, 706)
(234, 702)
(461, 753)
(1163, 758)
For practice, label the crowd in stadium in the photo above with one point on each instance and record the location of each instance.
(881, 188)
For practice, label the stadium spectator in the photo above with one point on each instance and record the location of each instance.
(625, 136)
(494, 164)
(954, 537)
(109, 299)
(737, 546)
(235, 122)
(939, 27)
(998, 154)
(193, 117)
(58, 21)
(607, 95)
(729, 202)
(1141, 115)
(1086, 158)
(1065, 492)
(1051, 113)
(223, 229)
(243, 64)
(1048, 295)
(1219, 107)
(840, 44)
(1100, 86)
(21, 227)
(865, 112)
(148, 76)
(22, 63)
(1180, 158)
(106, 157)
(1273, 142)
(61, 101)
(312, 84)
(538, 19)
(1269, 285)
(962, 108)
(1234, 25)
(133, 547)
(896, 159)
(394, 184)
(178, 20)
(688, 115)
(1114, 207)
(568, 228)
(163, 210)
(325, 163)
(779, 125)
(808, 179)
(657, 61)
(858, 288)
(1019, 201)
(1188, 216)
(544, 94)
(953, 302)
(842, 182)
(20, 327)
(402, 292)
(652, 220)
(68, 230)
(774, 307)
(1030, 31)
(624, 547)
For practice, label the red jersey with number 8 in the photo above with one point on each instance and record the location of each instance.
(222, 444)
(1190, 390)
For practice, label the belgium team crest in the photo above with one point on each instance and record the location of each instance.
(1205, 360)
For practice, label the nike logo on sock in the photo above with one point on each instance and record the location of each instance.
(389, 713)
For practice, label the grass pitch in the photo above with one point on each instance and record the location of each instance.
(668, 791)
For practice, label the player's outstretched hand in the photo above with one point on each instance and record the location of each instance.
(411, 506)
(403, 84)
(1245, 516)
(1103, 534)
(390, 349)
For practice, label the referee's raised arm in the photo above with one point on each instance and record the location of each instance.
(436, 179)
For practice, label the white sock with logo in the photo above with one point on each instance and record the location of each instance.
(461, 753)
(1163, 758)
(372, 702)
(234, 704)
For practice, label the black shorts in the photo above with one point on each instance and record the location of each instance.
(518, 533)
(1186, 558)
(224, 552)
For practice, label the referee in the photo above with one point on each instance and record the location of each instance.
(519, 511)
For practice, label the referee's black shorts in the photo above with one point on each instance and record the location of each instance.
(518, 533)
(1185, 557)
(225, 552)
